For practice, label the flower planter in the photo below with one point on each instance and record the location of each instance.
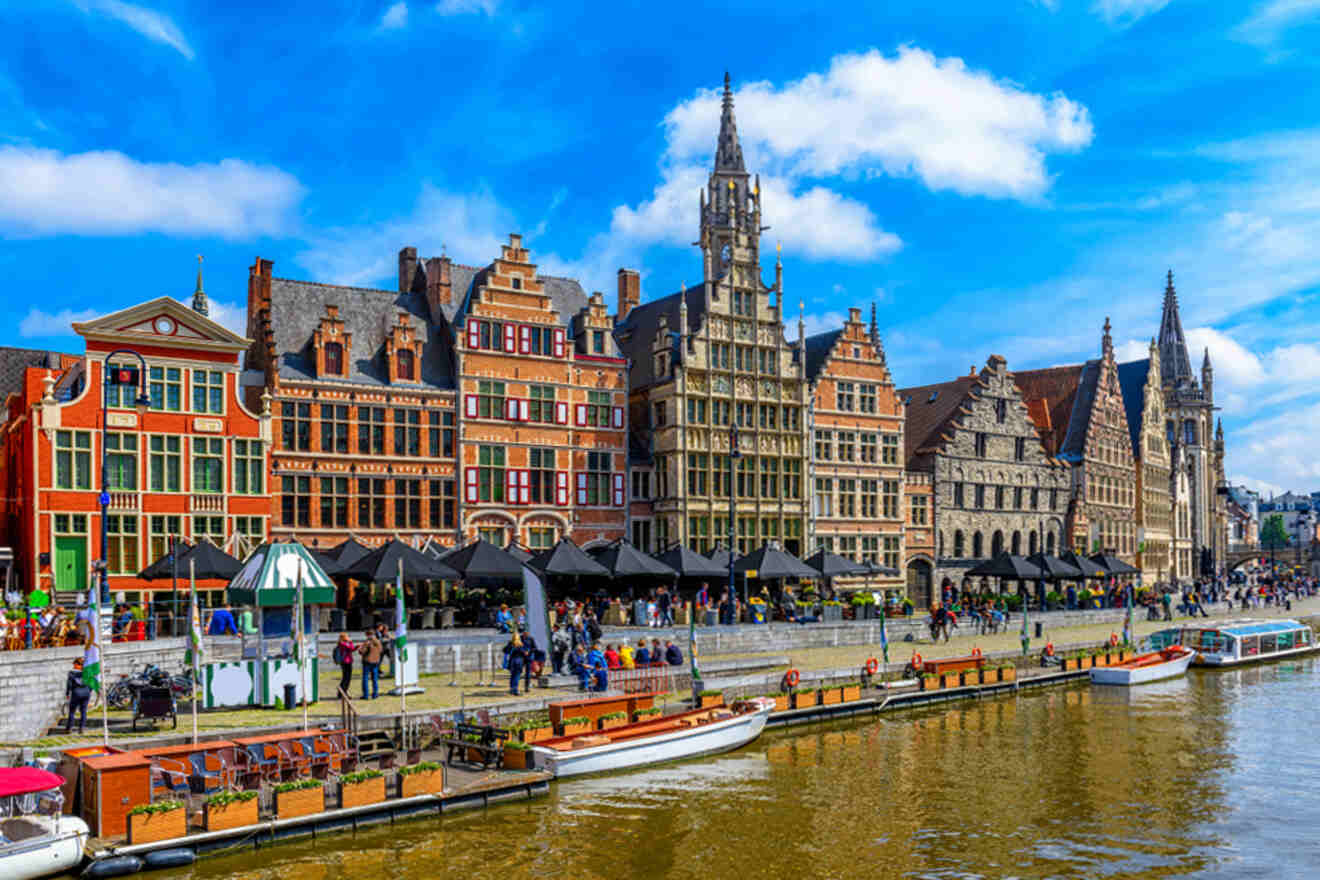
(611, 723)
(151, 827)
(831, 696)
(852, 692)
(783, 702)
(361, 794)
(929, 683)
(303, 802)
(517, 759)
(831, 613)
(1007, 673)
(232, 815)
(425, 782)
(805, 699)
(709, 700)
(531, 735)
(575, 729)
(949, 680)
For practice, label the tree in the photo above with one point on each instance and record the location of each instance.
(1273, 534)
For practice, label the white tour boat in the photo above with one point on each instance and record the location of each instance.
(1236, 642)
(35, 840)
(668, 738)
(1171, 662)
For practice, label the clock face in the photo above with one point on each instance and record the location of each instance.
(164, 326)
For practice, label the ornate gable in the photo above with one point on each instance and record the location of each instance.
(161, 322)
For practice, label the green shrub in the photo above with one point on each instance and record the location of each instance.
(644, 713)
(614, 716)
(359, 776)
(516, 746)
(297, 785)
(157, 807)
(711, 694)
(225, 798)
(423, 767)
(576, 720)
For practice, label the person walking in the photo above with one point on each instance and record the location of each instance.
(342, 655)
(77, 693)
(561, 642)
(1166, 602)
(515, 657)
(535, 658)
(371, 651)
(387, 647)
(666, 603)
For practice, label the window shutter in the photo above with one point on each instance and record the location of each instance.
(561, 413)
(510, 338)
(582, 489)
(524, 487)
(618, 490)
(511, 486)
(561, 488)
(470, 405)
(511, 408)
(525, 339)
(581, 415)
(618, 417)
(524, 410)
(559, 342)
(471, 485)
(474, 334)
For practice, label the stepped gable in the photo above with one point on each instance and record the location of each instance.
(1051, 395)
(818, 351)
(931, 410)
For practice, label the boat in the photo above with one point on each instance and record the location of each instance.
(1170, 662)
(1238, 642)
(35, 839)
(690, 734)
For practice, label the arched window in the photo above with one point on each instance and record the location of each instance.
(1049, 543)
(406, 370)
(978, 546)
(997, 543)
(1033, 541)
(1017, 543)
(334, 359)
(1189, 432)
(959, 545)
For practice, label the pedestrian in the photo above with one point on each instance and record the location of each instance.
(515, 659)
(535, 658)
(666, 603)
(387, 647)
(703, 596)
(371, 651)
(561, 642)
(78, 693)
(503, 619)
(343, 658)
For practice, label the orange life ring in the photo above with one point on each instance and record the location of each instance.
(1113, 640)
(872, 666)
(791, 678)
(916, 660)
(976, 652)
(1049, 649)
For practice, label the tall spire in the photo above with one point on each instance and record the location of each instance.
(199, 303)
(728, 152)
(1175, 366)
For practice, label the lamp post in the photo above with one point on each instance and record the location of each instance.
(119, 377)
(733, 496)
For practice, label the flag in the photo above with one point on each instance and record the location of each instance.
(692, 642)
(1127, 618)
(91, 672)
(884, 636)
(299, 649)
(194, 656)
(1026, 639)
(400, 622)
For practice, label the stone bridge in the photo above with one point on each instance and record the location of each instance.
(1289, 554)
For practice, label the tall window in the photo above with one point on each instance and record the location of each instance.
(542, 538)
(769, 415)
(769, 477)
(743, 358)
(792, 418)
(891, 551)
(598, 478)
(334, 502)
(334, 359)
(696, 411)
(719, 355)
(490, 335)
(1001, 410)
(847, 445)
(870, 548)
(1020, 449)
(296, 501)
(371, 430)
(490, 473)
(541, 461)
(870, 499)
(866, 398)
(541, 407)
(490, 400)
(999, 497)
(249, 467)
(793, 478)
(958, 495)
(334, 427)
(847, 499)
(920, 510)
(848, 546)
(959, 544)
(441, 498)
(746, 414)
(162, 529)
(747, 476)
(889, 499)
(824, 445)
(165, 388)
(122, 550)
(720, 411)
(869, 448)
(978, 546)
(598, 409)
(208, 391)
(407, 504)
(208, 465)
(491, 535)
(824, 500)
(1017, 498)
(723, 476)
(251, 527)
(209, 528)
(296, 426)
(982, 445)
(889, 449)
(696, 473)
(543, 341)
(847, 396)
(371, 502)
(769, 361)
(121, 462)
(980, 497)
(442, 433)
(407, 368)
(73, 460)
(407, 432)
(597, 341)
(165, 464)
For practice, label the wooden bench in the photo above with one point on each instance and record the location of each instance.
(489, 744)
(953, 664)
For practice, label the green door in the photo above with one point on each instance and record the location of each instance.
(71, 562)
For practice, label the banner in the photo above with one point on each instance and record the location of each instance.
(538, 624)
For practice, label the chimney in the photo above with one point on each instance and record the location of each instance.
(630, 292)
(854, 316)
(439, 287)
(407, 268)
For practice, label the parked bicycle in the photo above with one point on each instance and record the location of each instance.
(123, 694)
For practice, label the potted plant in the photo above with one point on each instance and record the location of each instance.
(831, 610)
(863, 605)
(229, 809)
(831, 695)
(517, 756)
(163, 820)
(577, 724)
(852, 691)
(361, 788)
(427, 777)
(302, 797)
(533, 730)
(783, 701)
(711, 698)
(613, 719)
(806, 698)
(929, 681)
(1007, 672)
(647, 714)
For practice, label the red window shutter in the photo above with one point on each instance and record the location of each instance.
(510, 338)
(470, 405)
(474, 334)
(524, 487)
(581, 415)
(618, 417)
(618, 490)
(582, 489)
(511, 408)
(561, 488)
(511, 486)
(524, 410)
(561, 413)
(559, 342)
(525, 339)
(471, 485)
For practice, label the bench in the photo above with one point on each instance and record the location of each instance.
(953, 664)
(489, 743)
(154, 704)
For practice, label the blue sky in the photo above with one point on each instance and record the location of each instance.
(997, 177)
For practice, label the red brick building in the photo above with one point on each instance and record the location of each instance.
(194, 465)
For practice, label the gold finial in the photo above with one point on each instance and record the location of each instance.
(779, 247)
(730, 184)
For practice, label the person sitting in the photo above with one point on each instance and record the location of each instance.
(673, 656)
(657, 653)
(222, 622)
(641, 656)
(504, 619)
(626, 656)
(123, 620)
(612, 659)
(577, 664)
(600, 678)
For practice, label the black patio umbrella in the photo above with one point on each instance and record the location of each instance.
(1006, 565)
(519, 552)
(328, 563)
(720, 556)
(1052, 568)
(876, 568)
(771, 563)
(482, 559)
(567, 558)
(382, 565)
(689, 563)
(164, 567)
(622, 559)
(1088, 568)
(1112, 564)
(831, 565)
(208, 562)
(348, 552)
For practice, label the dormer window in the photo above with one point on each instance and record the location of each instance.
(334, 359)
(598, 341)
(407, 371)
(516, 282)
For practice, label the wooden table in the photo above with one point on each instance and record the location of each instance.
(596, 707)
(953, 664)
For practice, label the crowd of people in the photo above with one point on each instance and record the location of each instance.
(376, 647)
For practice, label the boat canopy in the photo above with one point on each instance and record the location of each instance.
(17, 781)
(1259, 627)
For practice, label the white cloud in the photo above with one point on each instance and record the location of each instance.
(155, 26)
(43, 192)
(395, 17)
(226, 314)
(1125, 12)
(38, 322)
(466, 7)
(1268, 22)
(816, 322)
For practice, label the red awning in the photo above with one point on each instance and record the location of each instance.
(27, 780)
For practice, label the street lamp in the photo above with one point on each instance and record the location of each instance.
(118, 377)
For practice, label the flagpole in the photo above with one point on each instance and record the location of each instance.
(301, 644)
(100, 666)
(194, 635)
(400, 642)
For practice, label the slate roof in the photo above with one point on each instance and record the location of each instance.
(930, 411)
(15, 361)
(1056, 388)
(818, 349)
(636, 332)
(1132, 382)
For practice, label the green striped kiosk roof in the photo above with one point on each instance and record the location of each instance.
(269, 578)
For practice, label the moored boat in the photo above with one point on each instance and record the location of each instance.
(1170, 662)
(1236, 642)
(35, 840)
(669, 738)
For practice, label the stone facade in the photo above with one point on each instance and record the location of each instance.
(919, 536)
(995, 486)
(1144, 399)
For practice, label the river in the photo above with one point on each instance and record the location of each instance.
(1214, 775)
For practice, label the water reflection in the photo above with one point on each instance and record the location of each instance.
(1211, 775)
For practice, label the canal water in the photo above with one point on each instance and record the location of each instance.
(1214, 775)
